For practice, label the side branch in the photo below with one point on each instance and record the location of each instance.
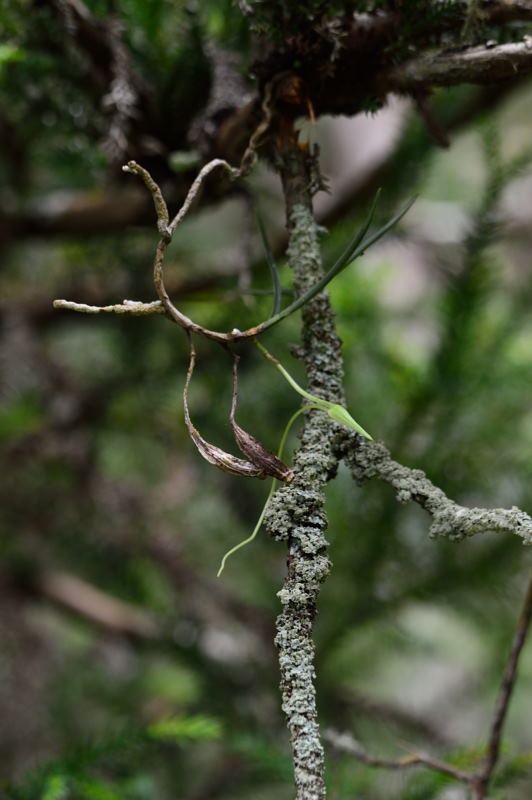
(101, 608)
(345, 743)
(373, 460)
(133, 307)
(478, 781)
(482, 65)
(505, 693)
(361, 242)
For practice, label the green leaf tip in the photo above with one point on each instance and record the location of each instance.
(335, 411)
(342, 415)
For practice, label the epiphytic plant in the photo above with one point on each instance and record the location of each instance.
(261, 462)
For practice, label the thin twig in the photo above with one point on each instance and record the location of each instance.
(133, 307)
(159, 202)
(194, 189)
(98, 606)
(505, 693)
(166, 230)
(345, 743)
(450, 519)
(478, 781)
(362, 241)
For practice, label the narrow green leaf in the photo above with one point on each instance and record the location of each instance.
(374, 237)
(347, 256)
(334, 410)
(355, 249)
(273, 268)
(341, 414)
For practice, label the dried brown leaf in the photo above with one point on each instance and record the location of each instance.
(210, 452)
(257, 453)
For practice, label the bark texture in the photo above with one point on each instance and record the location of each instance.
(449, 519)
(296, 513)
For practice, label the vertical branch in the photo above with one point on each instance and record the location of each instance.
(503, 700)
(296, 511)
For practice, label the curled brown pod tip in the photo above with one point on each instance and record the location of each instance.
(210, 452)
(254, 450)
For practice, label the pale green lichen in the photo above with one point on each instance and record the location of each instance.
(296, 513)
(448, 518)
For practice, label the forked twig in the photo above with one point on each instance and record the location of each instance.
(166, 229)
(345, 743)
(478, 781)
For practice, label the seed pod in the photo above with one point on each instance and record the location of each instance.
(257, 453)
(215, 455)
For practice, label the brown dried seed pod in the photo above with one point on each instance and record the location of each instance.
(215, 455)
(251, 447)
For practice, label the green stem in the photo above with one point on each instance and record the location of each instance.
(321, 403)
(335, 411)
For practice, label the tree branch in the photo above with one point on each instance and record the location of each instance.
(373, 460)
(478, 781)
(483, 65)
(97, 606)
(505, 693)
(499, 11)
(123, 95)
(345, 743)
(90, 213)
(296, 512)
(361, 71)
(134, 308)
(380, 28)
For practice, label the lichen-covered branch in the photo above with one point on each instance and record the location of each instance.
(135, 308)
(296, 512)
(373, 460)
